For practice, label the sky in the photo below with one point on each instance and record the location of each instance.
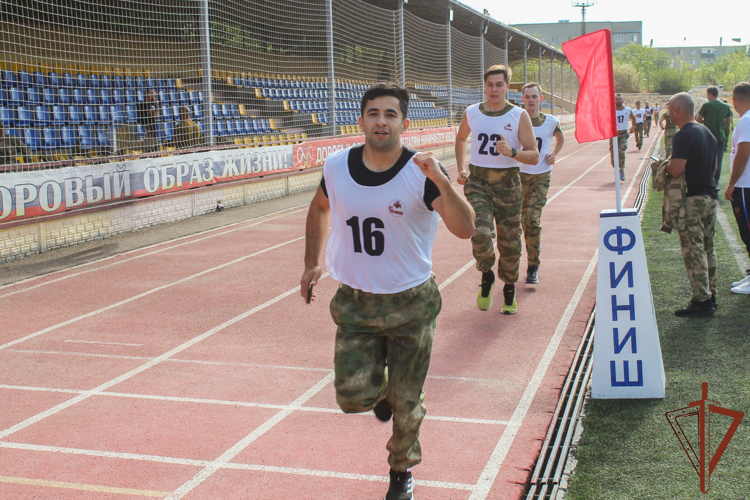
(687, 25)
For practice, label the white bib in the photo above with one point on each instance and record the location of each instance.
(381, 236)
(544, 134)
(623, 118)
(485, 130)
(639, 114)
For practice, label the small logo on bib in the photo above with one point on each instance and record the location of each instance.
(396, 208)
(508, 127)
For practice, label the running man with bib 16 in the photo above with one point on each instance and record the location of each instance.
(502, 139)
(382, 202)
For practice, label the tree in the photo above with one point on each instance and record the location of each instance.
(627, 79)
(646, 61)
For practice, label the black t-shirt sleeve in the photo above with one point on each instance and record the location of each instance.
(680, 146)
(323, 185)
(431, 191)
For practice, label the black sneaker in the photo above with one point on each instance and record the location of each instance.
(714, 302)
(383, 410)
(402, 486)
(531, 276)
(695, 309)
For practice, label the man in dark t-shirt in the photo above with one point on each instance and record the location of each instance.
(694, 154)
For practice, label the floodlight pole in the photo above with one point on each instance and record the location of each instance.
(206, 68)
(450, 76)
(402, 59)
(481, 51)
(507, 59)
(552, 84)
(525, 63)
(331, 73)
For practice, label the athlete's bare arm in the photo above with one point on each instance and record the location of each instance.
(632, 123)
(559, 141)
(461, 138)
(452, 207)
(662, 121)
(529, 155)
(316, 232)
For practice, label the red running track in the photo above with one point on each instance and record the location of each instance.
(192, 369)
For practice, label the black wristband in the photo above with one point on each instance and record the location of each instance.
(514, 151)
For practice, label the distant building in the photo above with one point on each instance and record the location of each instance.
(623, 33)
(694, 56)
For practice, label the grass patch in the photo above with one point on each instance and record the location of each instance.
(628, 450)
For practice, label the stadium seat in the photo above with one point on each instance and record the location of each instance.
(140, 132)
(130, 97)
(132, 113)
(166, 113)
(247, 125)
(51, 138)
(25, 79)
(94, 81)
(151, 83)
(102, 139)
(32, 96)
(24, 118)
(225, 111)
(171, 84)
(197, 112)
(183, 98)
(42, 115)
(117, 96)
(193, 95)
(105, 96)
(58, 115)
(32, 139)
(84, 133)
(130, 82)
(230, 128)
(68, 81)
(234, 110)
(40, 79)
(15, 97)
(140, 83)
(117, 113)
(49, 95)
(6, 116)
(82, 81)
(69, 137)
(222, 128)
(176, 112)
(104, 114)
(140, 95)
(92, 96)
(3, 97)
(79, 97)
(74, 114)
(9, 78)
(106, 81)
(161, 84)
(118, 81)
(89, 114)
(216, 111)
(163, 97)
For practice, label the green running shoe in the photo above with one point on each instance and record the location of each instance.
(484, 298)
(509, 300)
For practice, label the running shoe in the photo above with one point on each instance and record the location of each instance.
(383, 410)
(509, 300)
(531, 275)
(622, 175)
(402, 486)
(484, 299)
(743, 289)
(741, 282)
(695, 309)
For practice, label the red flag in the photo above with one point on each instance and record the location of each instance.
(591, 57)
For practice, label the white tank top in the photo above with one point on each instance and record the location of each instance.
(623, 118)
(485, 130)
(381, 236)
(639, 114)
(544, 134)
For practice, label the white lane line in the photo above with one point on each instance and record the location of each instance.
(233, 466)
(102, 343)
(734, 244)
(455, 275)
(144, 294)
(73, 353)
(103, 387)
(491, 469)
(249, 223)
(552, 198)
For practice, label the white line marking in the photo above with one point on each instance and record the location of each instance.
(103, 387)
(144, 294)
(234, 466)
(575, 180)
(103, 343)
(487, 479)
(455, 275)
(253, 222)
(734, 245)
(73, 353)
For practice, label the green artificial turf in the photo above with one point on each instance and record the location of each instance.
(628, 450)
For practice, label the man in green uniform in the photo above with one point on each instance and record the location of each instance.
(187, 134)
(714, 114)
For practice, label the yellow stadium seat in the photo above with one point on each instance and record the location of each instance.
(258, 94)
(238, 141)
(304, 136)
(272, 124)
(314, 118)
(178, 83)
(257, 142)
(297, 138)
(243, 110)
(146, 73)
(247, 141)
(342, 129)
(266, 140)
(286, 106)
(230, 81)
(31, 67)
(273, 139)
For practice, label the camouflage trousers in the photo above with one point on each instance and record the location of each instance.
(383, 349)
(496, 196)
(638, 135)
(669, 134)
(535, 189)
(646, 126)
(622, 146)
(697, 245)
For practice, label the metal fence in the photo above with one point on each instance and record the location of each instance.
(93, 81)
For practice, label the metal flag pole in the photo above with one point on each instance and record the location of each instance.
(616, 157)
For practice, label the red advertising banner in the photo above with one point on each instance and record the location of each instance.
(314, 153)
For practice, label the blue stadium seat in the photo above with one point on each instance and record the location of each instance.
(193, 96)
(32, 96)
(118, 82)
(69, 137)
(266, 93)
(183, 98)
(64, 96)
(104, 114)
(173, 97)
(82, 81)
(118, 114)
(42, 115)
(32, 139)
(102, 139)
(222, 128)
(151, 83)
(40, 79)
(79, 97)
(85, 134)
(166, 113)
(106, 81)
(51, 138)
(25, 79)
(200, 96)
(230, 128)
(74, 115)
(24, 118)
(293, 106)
(94, 81)
(234, 110)
(105, 96)
(225, 111)
(15, 97)
(132, 113)
(58, 114)
(68, 80)
(9, 78)
(140, 95)
(117, 96)
(176, 112)
(171, 85)
(163, 97)
(3, 97)
(239, 127)
(167, 129)
(92, 97)
(49, 95)
(265, 126)
(161, 84)
(130, 82)
(247, 124)
(198, 112)
(216, 111)
(130, 96)
(203, 128)
(216, 128)
(237, 81)
(90, 115)
(6, 116)
(140, 82)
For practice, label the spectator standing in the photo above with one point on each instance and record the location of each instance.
(148, 114)
(714, 114)
(738, 190)
(187, 134)
(694, 154)
(728, 127)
